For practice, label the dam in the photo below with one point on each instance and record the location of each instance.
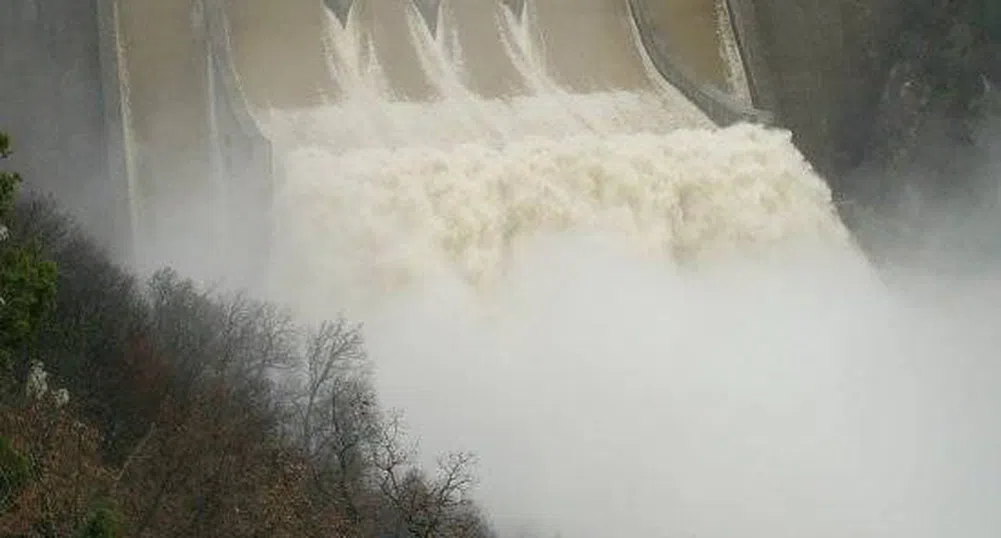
(580, 246)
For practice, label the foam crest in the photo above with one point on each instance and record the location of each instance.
(377, 218)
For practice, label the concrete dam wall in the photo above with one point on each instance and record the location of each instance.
(191, 145)
(53, 105)
(161, 107)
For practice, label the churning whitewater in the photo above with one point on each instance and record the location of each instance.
(387, 218)
(381, 191)
(644, 325)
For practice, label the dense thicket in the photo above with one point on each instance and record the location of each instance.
(154, 408)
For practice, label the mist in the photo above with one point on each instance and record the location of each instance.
(605, 395)
(805, 393)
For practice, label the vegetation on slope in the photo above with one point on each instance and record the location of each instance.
(154, 408)
(922, 185)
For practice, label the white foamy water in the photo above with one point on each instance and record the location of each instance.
(357, 223)
(644, 325)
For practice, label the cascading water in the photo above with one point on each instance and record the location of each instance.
(627, 312)
(458, 182)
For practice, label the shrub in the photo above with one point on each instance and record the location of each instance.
(15, 471)
(104, 522)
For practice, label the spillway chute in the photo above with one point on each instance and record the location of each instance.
(493, 48)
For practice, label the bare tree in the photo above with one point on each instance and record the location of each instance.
(427, 507)
(338, 414)
(212, 415)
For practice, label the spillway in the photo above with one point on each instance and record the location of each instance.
(408, 142)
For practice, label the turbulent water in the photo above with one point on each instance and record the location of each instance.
(387, 218)
(381, 192)
(643, 324)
